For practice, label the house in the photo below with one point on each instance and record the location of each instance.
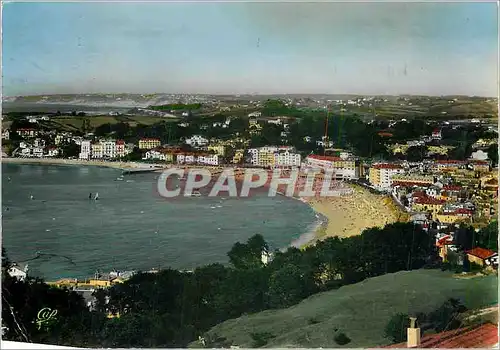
(443, 244)
(428, 205)
(18, 271)
(37, 152)
(482, 166)
(238, 156)
(476, 336)
(217, 148)
(480, 255)
(436, 134)
(27, 132)
(5, 134)
(448, 165)
(52, 152)
(196, 141)
(208, 159)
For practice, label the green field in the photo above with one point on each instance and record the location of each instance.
(360, 311)
(76, 123)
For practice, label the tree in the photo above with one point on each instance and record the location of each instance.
(249, 255)
(488, 236)
(416, 153)
(70, 149)
(493, 154)
(396, 328)
(286, 287)
(446, 316)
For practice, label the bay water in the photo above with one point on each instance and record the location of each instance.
(49, 222)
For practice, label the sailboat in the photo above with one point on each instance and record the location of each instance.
(96, 196)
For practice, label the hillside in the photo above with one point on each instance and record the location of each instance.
(361, 310)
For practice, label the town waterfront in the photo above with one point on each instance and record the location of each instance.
(130, 227)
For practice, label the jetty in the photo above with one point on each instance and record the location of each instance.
(142, 170)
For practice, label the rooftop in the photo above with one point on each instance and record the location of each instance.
(482, 336)
(387, 166)
(482, 253)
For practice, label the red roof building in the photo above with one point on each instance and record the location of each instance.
(327, 158)
(481, 253)
(387, 166)
(429, 200)
(482, 336)
(452, 188)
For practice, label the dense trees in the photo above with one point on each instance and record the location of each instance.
(172, 308)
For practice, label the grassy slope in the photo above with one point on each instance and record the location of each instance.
(361, 310)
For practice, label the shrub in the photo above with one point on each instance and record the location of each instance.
(261, 338)
(342, 339)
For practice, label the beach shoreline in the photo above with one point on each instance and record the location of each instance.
(63, 161)
(348, 216)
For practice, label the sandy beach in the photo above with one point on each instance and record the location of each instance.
(350, 215)
(61, 161)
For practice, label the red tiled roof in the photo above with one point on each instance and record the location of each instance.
(443, 161)
(483, 336)
(327, 158)
(383, 133)
(446, 240)
(436, 131)
(387, 166)
(479, 162)
(419, 194)
(120, 142)
(452, 188)
(409, 183)
(429, 200)
(463, 211)
(479, 252)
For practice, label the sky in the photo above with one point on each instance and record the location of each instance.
(250, 47)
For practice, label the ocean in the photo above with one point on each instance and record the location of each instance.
(130, 227)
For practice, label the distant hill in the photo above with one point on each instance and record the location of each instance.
(360, 311)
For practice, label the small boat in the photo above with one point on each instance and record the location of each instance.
(96, 197)
(119, 179)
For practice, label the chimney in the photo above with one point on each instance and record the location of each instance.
(413, 334)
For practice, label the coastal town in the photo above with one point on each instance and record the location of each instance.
(433, 190)
(214, 175)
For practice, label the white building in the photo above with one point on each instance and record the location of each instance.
(255, 114)
(5, 134)
(37, 152)
(52, 152)
(196, 141)
(479, 155)
(287, 159)
(85, 150)
(18, 271)
(154, 155)
(108, 149)
(208, 159)
(186, 158)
